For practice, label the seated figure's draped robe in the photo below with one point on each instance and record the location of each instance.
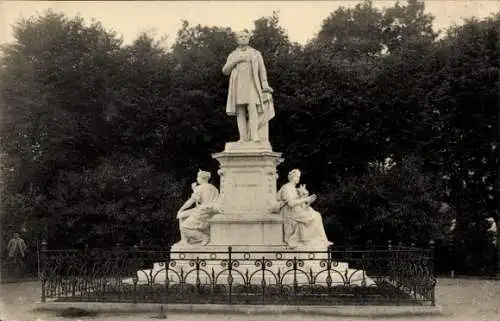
(194, 224)
(303, 225)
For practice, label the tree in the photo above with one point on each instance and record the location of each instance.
(462, 99)
(116, 201)
(353, 33)
(397, 202)
(353, 75)
(198, 95)
(53, 94)
(406, 26)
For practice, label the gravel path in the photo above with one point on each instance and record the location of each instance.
(462, 300)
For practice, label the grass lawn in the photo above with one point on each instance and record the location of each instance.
(461, 299)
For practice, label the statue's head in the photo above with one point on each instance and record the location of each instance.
(203, 176)
(243, 37)
(294, 176)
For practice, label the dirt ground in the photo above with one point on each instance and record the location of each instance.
(467, 300)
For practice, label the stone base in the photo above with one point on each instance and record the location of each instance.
(207, 264)
(181, 251)
(252, 272)
(251, 230)
(248, 146)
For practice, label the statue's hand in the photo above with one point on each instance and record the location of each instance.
(312, 198)
(267, 89)
(193, 186)
(303, 191)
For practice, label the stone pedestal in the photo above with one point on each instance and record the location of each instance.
(248, 195)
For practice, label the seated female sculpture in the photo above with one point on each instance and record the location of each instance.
(303, 225)
(193, 223)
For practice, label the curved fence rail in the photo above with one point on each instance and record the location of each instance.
(384, 276)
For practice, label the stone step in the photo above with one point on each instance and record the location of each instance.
(350, 276)
(251, 265)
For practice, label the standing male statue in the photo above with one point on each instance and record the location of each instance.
(249, 96)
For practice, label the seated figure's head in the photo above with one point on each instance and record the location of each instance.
(203, 176)
(294, 176)
(243, 37)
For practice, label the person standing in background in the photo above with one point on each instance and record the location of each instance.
(16, 251)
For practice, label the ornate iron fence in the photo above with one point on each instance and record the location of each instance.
(393, 275)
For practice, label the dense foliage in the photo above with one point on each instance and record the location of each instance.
(100, 140)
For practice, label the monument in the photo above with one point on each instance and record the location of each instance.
(248, 166)
(248, 214)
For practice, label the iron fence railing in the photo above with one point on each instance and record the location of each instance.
(390, 275)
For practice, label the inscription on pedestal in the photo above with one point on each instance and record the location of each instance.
(244, 192)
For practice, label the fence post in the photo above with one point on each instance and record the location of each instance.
(38, 259)
(389, 260)
(42, 272)
(230, 275)
(431, 263)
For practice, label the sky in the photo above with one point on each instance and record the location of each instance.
(301, 19)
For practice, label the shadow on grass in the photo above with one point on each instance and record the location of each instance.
(17, 280)
(374, 316)
(76, 313)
